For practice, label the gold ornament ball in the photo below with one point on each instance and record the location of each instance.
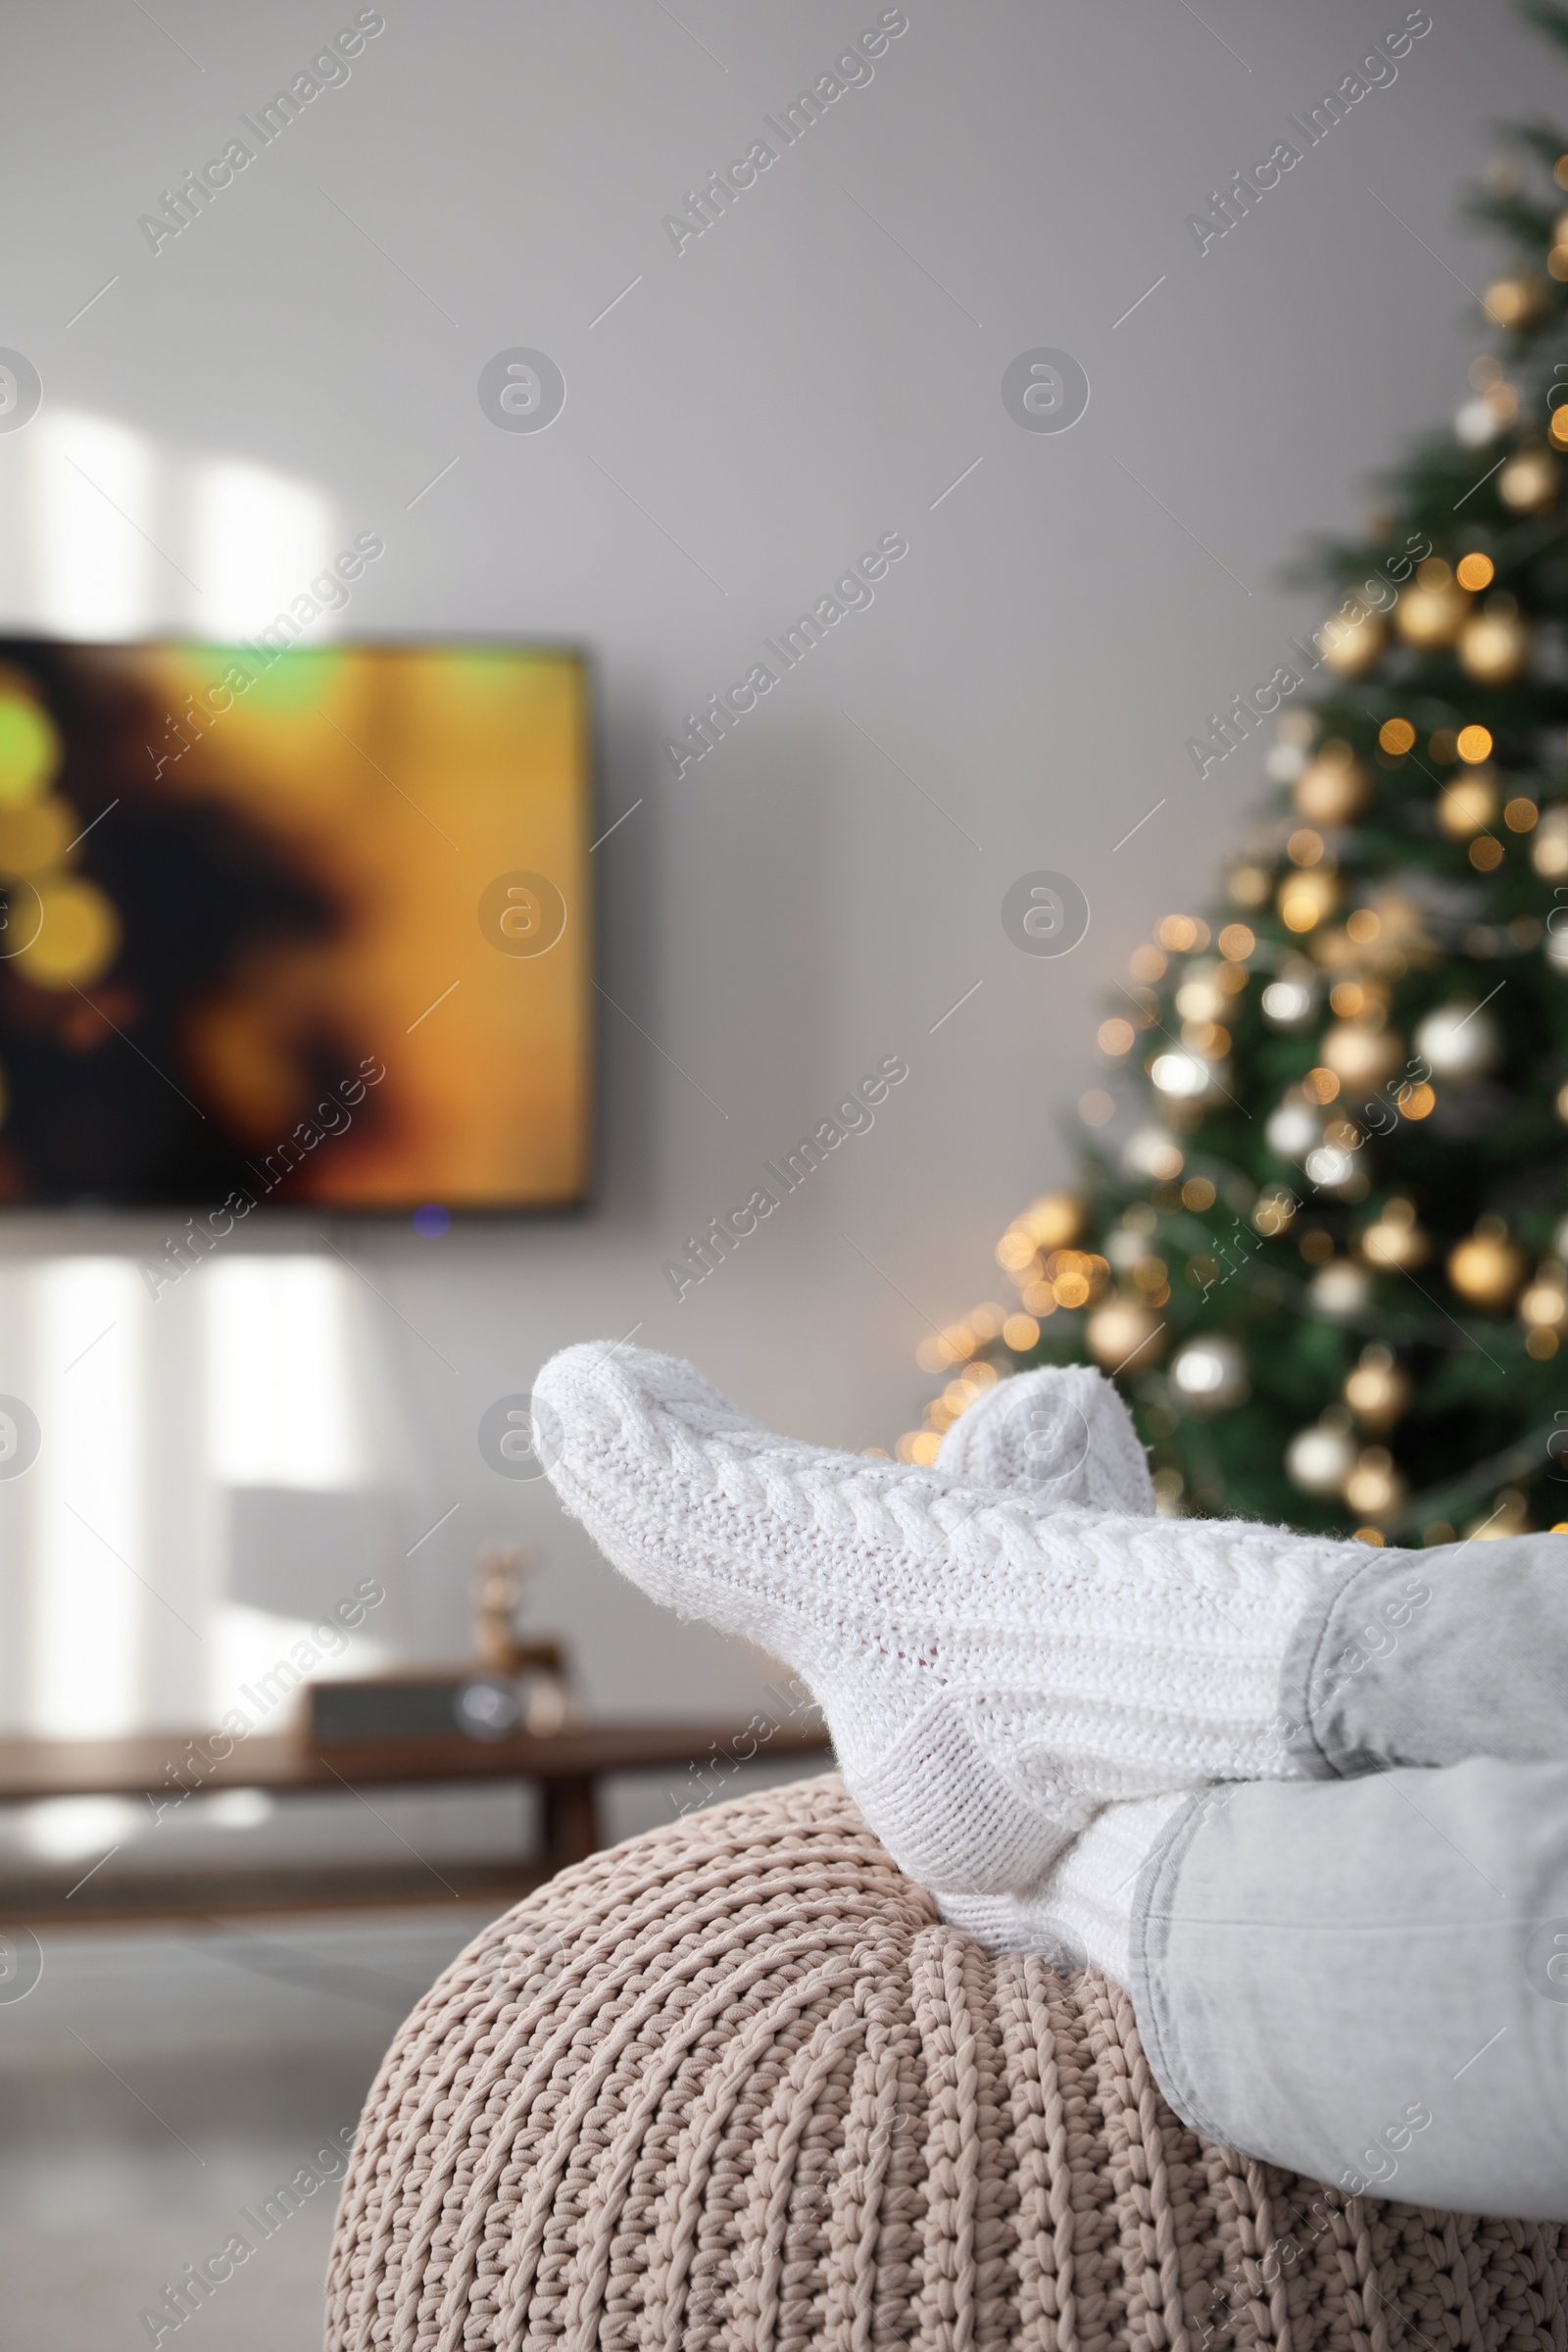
(1361, 1056)
(1549, 846)
(1513, 301)
(1378, 1391)
(1352, 646)
(1432, 616)
(1495, 647)
(1053, 1221)
(1333, 790)
(1123, 1328)
(1485, 1268)
(1544, 1305)
(1529, 481)
(1394, 1240)
(1468, 804)
(1374, 1487)
(1307, 897)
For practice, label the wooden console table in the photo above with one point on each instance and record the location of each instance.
(567, 1768)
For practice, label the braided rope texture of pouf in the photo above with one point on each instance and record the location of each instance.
(733, 2086)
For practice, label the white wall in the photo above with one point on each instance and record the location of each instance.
(814, 371)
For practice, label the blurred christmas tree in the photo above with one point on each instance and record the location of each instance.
(1322, 1236)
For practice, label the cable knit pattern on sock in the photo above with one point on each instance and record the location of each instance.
(1063, 1433)
(994, 1672)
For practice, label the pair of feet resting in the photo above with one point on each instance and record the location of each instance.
(1025, 1671)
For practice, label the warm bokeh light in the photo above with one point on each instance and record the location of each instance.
(77, 937)
(1509, 302)
(1396, 735)
(1181, 933)
(1474, 744)
(29, 748)
(1468, 804)
(1475, 572)
(1249, 885)
(1305, 898)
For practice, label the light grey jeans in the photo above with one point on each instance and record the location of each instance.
(1363, 1974)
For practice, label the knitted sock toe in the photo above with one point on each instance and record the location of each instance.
(994, 1671)
(1062, 1432)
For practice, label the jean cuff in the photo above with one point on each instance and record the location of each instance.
(1149, 1941)
(1301, 1676)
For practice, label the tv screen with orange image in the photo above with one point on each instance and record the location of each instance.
(307, 927)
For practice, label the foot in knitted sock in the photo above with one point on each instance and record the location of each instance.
(1081, 1913)
(993, 1671)
(1062, 1432)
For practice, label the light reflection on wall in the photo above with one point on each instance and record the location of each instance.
(278, 1387)
(260, 537)
(91, 500)
(109, 534)
(90, 1568)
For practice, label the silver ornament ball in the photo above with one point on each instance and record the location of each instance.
(1319, 1460)
(1341, 1289)
(1209, 1374)
(1294, 1130)
(1459, 1043)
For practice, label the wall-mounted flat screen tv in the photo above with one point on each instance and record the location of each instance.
(308, 926)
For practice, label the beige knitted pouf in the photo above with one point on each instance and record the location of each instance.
(734, 2085)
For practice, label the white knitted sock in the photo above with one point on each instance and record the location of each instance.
(1062, 1432)
(1081, 1913)
(994, 1672)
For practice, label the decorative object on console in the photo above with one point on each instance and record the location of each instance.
(515, 1685)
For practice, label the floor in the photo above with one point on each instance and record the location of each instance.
(154, 2085)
